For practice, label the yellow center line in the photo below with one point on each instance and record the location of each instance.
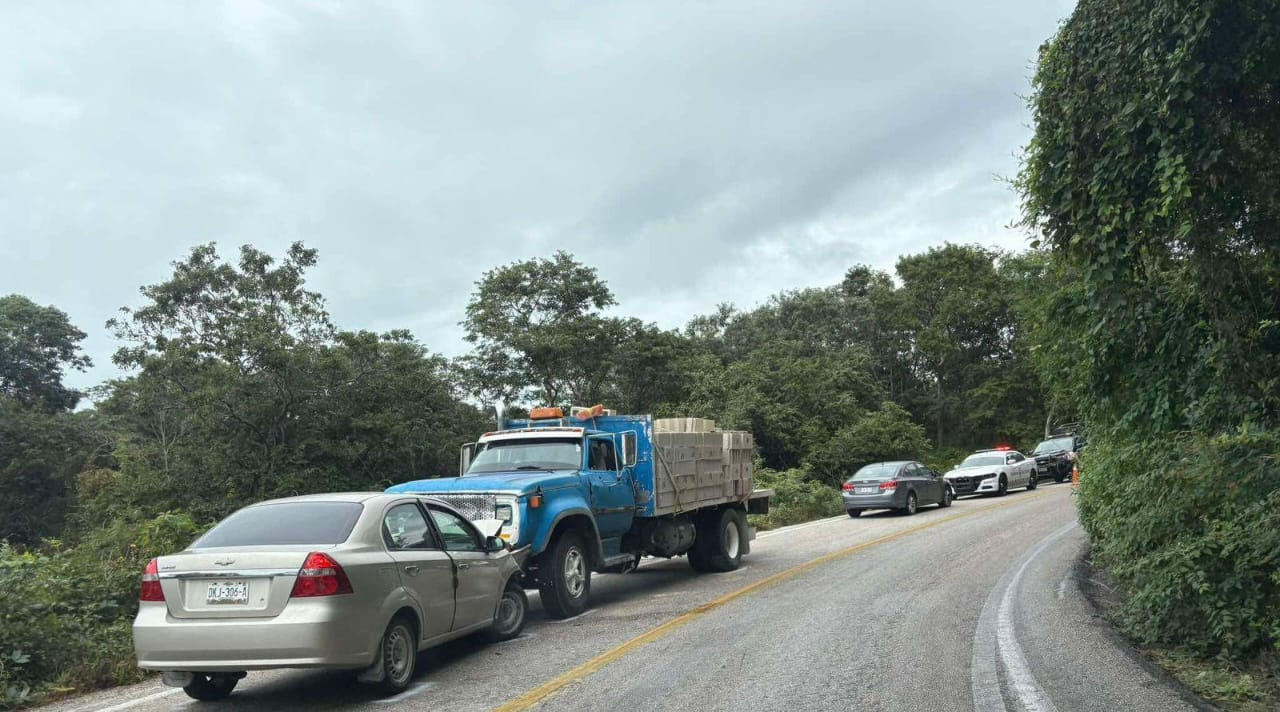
(551, 687)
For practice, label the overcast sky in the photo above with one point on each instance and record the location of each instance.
(694, 152)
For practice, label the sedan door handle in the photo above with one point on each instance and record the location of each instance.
(411, 570)
(463, 567)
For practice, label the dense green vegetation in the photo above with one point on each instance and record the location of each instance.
(241, 389)
(1153, 179)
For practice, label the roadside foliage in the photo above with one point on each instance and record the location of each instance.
(241, 388)
(1153, 181)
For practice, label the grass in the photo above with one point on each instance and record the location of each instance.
(1252, 686)
(1231, 686)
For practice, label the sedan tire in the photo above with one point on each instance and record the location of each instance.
(946, 498)
(912, 504)
(1004, 487)
(855, 513)
(508, 620)
(210, 687)
(398, 653)
(1034, 481)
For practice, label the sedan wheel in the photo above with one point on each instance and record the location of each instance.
(911, 504)
(946, 498)
(208, 687)
(855, 513)
(1033, 482)
(1004, 487)
(399, 656)
(508, 620)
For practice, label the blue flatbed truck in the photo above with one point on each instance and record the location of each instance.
(596, 492)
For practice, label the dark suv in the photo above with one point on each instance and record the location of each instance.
(1051, 455)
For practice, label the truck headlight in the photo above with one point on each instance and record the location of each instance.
(505, 509)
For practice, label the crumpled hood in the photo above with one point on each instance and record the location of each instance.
(977, 470)
(523, 481)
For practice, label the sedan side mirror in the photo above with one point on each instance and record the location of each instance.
(494, 544)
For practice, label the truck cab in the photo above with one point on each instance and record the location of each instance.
(582, 493)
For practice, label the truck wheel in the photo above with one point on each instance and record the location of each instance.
(719, 542)
(566, 577)
(698, 559)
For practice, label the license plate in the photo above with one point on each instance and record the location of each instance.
(224, 593)
(865, 490)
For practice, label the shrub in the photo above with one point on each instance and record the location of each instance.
(798, 498)
(66, 616)
(1195, 541)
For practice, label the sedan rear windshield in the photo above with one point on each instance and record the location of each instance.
(286, 523)
(876, 472)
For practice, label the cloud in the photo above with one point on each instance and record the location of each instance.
(695, 153)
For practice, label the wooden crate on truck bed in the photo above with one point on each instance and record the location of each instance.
(696, 466)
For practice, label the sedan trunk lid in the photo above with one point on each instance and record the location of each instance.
(230, 582)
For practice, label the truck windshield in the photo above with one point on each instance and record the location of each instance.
(1055, 444)
(540, 454)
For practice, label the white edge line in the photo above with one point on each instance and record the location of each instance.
(580, 616)
(1021, 680)
(417, 689)
(798, 527)
(140, 700)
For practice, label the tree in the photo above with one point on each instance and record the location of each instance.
(538, 332)
(245, 390)
(36, 345)
(1151, 179)
(887, 433)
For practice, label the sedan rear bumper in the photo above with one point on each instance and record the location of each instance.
(308, 636)
(891, 500)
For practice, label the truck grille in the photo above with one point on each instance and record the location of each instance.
(471, 506)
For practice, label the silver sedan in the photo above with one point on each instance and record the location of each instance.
(357, 581)
(903, 485)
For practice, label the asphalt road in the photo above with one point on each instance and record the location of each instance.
(972, 607)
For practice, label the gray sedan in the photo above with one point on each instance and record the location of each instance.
(346, 581)
(902, 485)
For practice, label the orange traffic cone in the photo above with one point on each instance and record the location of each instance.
(1075, 475)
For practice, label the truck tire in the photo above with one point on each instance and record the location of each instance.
(565, 578)
(721, 538)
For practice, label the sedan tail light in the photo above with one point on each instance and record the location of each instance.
(151, 590)
(320, 575)
(848, 487)
(888, 485)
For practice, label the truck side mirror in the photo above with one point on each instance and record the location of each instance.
(628, 448)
